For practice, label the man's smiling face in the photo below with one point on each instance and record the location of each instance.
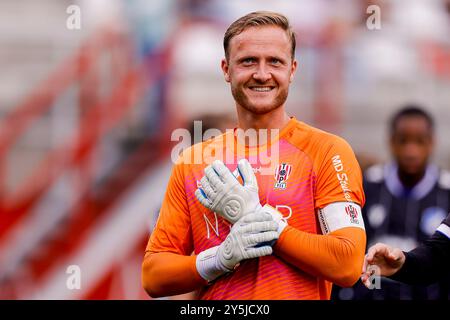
(260, 68)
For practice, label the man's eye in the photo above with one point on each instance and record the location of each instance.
(248, 61)
(275, 61)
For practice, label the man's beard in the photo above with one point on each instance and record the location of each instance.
(243, 100)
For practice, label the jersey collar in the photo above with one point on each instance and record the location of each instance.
(419, 191)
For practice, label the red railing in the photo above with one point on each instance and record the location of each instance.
(98, 117)
(95, 120)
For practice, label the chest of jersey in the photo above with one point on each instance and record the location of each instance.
(288, 185)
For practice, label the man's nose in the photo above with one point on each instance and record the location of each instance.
(262, 74)
(412, 150)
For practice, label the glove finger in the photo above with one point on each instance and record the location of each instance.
(224, 173)
(207, 189)
(257, 227)
(256, 217)
(213, 178)
(246, 172)
(262, 237)
(258, 252)
(201, 196)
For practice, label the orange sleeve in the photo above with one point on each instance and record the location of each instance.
(167, 274)
(339, 177)
(168, 266)
(172, 232)
(336, 257)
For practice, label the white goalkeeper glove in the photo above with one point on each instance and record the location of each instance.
(222, 193)
(248, 238)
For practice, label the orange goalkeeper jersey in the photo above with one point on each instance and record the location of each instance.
(302, 170)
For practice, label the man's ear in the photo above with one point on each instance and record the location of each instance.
(293, 69)
(225, 69)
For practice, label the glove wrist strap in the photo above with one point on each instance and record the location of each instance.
(208, 265)
(277, 216)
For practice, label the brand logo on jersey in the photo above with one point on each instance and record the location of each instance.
(352, 212)
(282, 173)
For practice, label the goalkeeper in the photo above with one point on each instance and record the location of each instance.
(287, 233)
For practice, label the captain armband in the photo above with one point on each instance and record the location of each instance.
(340, 215)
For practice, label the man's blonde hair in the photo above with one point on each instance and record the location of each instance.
(257, 19)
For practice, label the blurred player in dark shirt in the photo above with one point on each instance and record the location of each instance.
(405, 201)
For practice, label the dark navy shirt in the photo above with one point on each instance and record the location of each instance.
(402, 218)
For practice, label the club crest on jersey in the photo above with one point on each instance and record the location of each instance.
(352, 212)
(282, 173)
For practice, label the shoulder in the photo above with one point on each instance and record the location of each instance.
(309, 138)
(197, 153)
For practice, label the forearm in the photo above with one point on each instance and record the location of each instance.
(426, 263)
(337, 257)
(166, 274)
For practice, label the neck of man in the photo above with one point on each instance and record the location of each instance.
(410, 180)
(273, 120)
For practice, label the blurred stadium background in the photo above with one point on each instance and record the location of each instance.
(87, 114)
